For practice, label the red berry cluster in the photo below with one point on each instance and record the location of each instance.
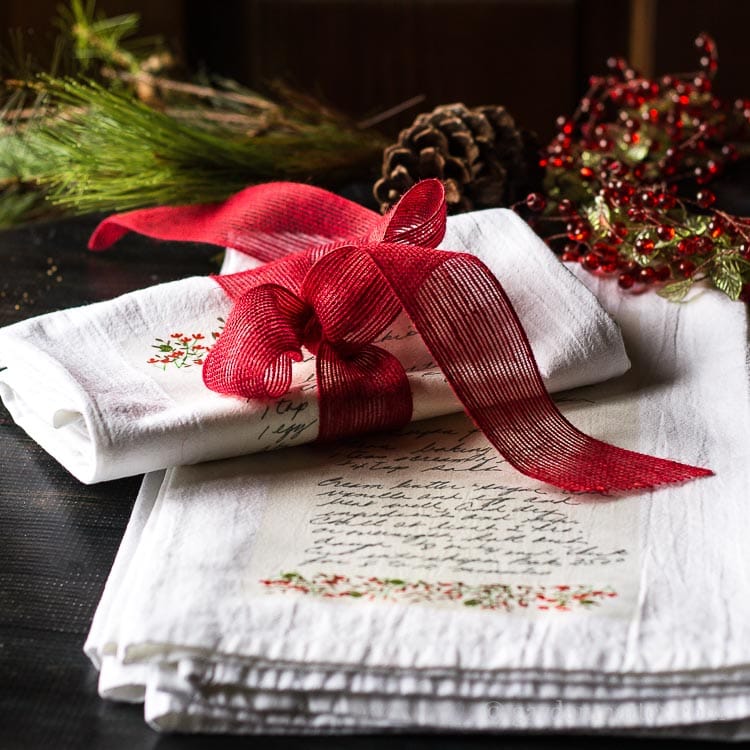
(622, 172)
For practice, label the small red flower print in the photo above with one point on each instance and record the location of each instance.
(181, 350)
(493, 596)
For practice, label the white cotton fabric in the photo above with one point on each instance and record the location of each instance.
(175, 631)
(79, 383)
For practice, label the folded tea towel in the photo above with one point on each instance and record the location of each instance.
(114, 388)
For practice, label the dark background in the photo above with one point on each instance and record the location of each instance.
(364, 56)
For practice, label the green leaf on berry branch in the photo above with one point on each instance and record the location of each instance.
(676, 291)
(727, 276)
(599, 215)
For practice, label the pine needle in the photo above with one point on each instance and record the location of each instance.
(108, 151)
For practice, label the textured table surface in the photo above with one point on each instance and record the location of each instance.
(58, 538)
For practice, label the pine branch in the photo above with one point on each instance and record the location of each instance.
(126, 135)
(111, 152)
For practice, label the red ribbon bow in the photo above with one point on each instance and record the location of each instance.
(336, 277)
(335, 300)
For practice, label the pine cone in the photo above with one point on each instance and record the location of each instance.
(479, 155)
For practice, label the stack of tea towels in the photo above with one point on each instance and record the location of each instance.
(180, 628)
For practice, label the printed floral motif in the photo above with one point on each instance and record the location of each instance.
(492, 596)
(183, 349)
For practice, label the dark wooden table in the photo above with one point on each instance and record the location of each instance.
(58, 538)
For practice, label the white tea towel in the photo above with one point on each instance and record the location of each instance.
(414, 581)
(114, 389)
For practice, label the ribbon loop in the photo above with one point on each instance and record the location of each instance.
(269, 322)
(417, 219)
(352, 300)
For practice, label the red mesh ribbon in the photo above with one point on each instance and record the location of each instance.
(339, 275)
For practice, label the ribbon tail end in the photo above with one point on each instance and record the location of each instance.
(105, 235)
(672, 473)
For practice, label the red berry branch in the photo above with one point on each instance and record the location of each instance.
(624, 186)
